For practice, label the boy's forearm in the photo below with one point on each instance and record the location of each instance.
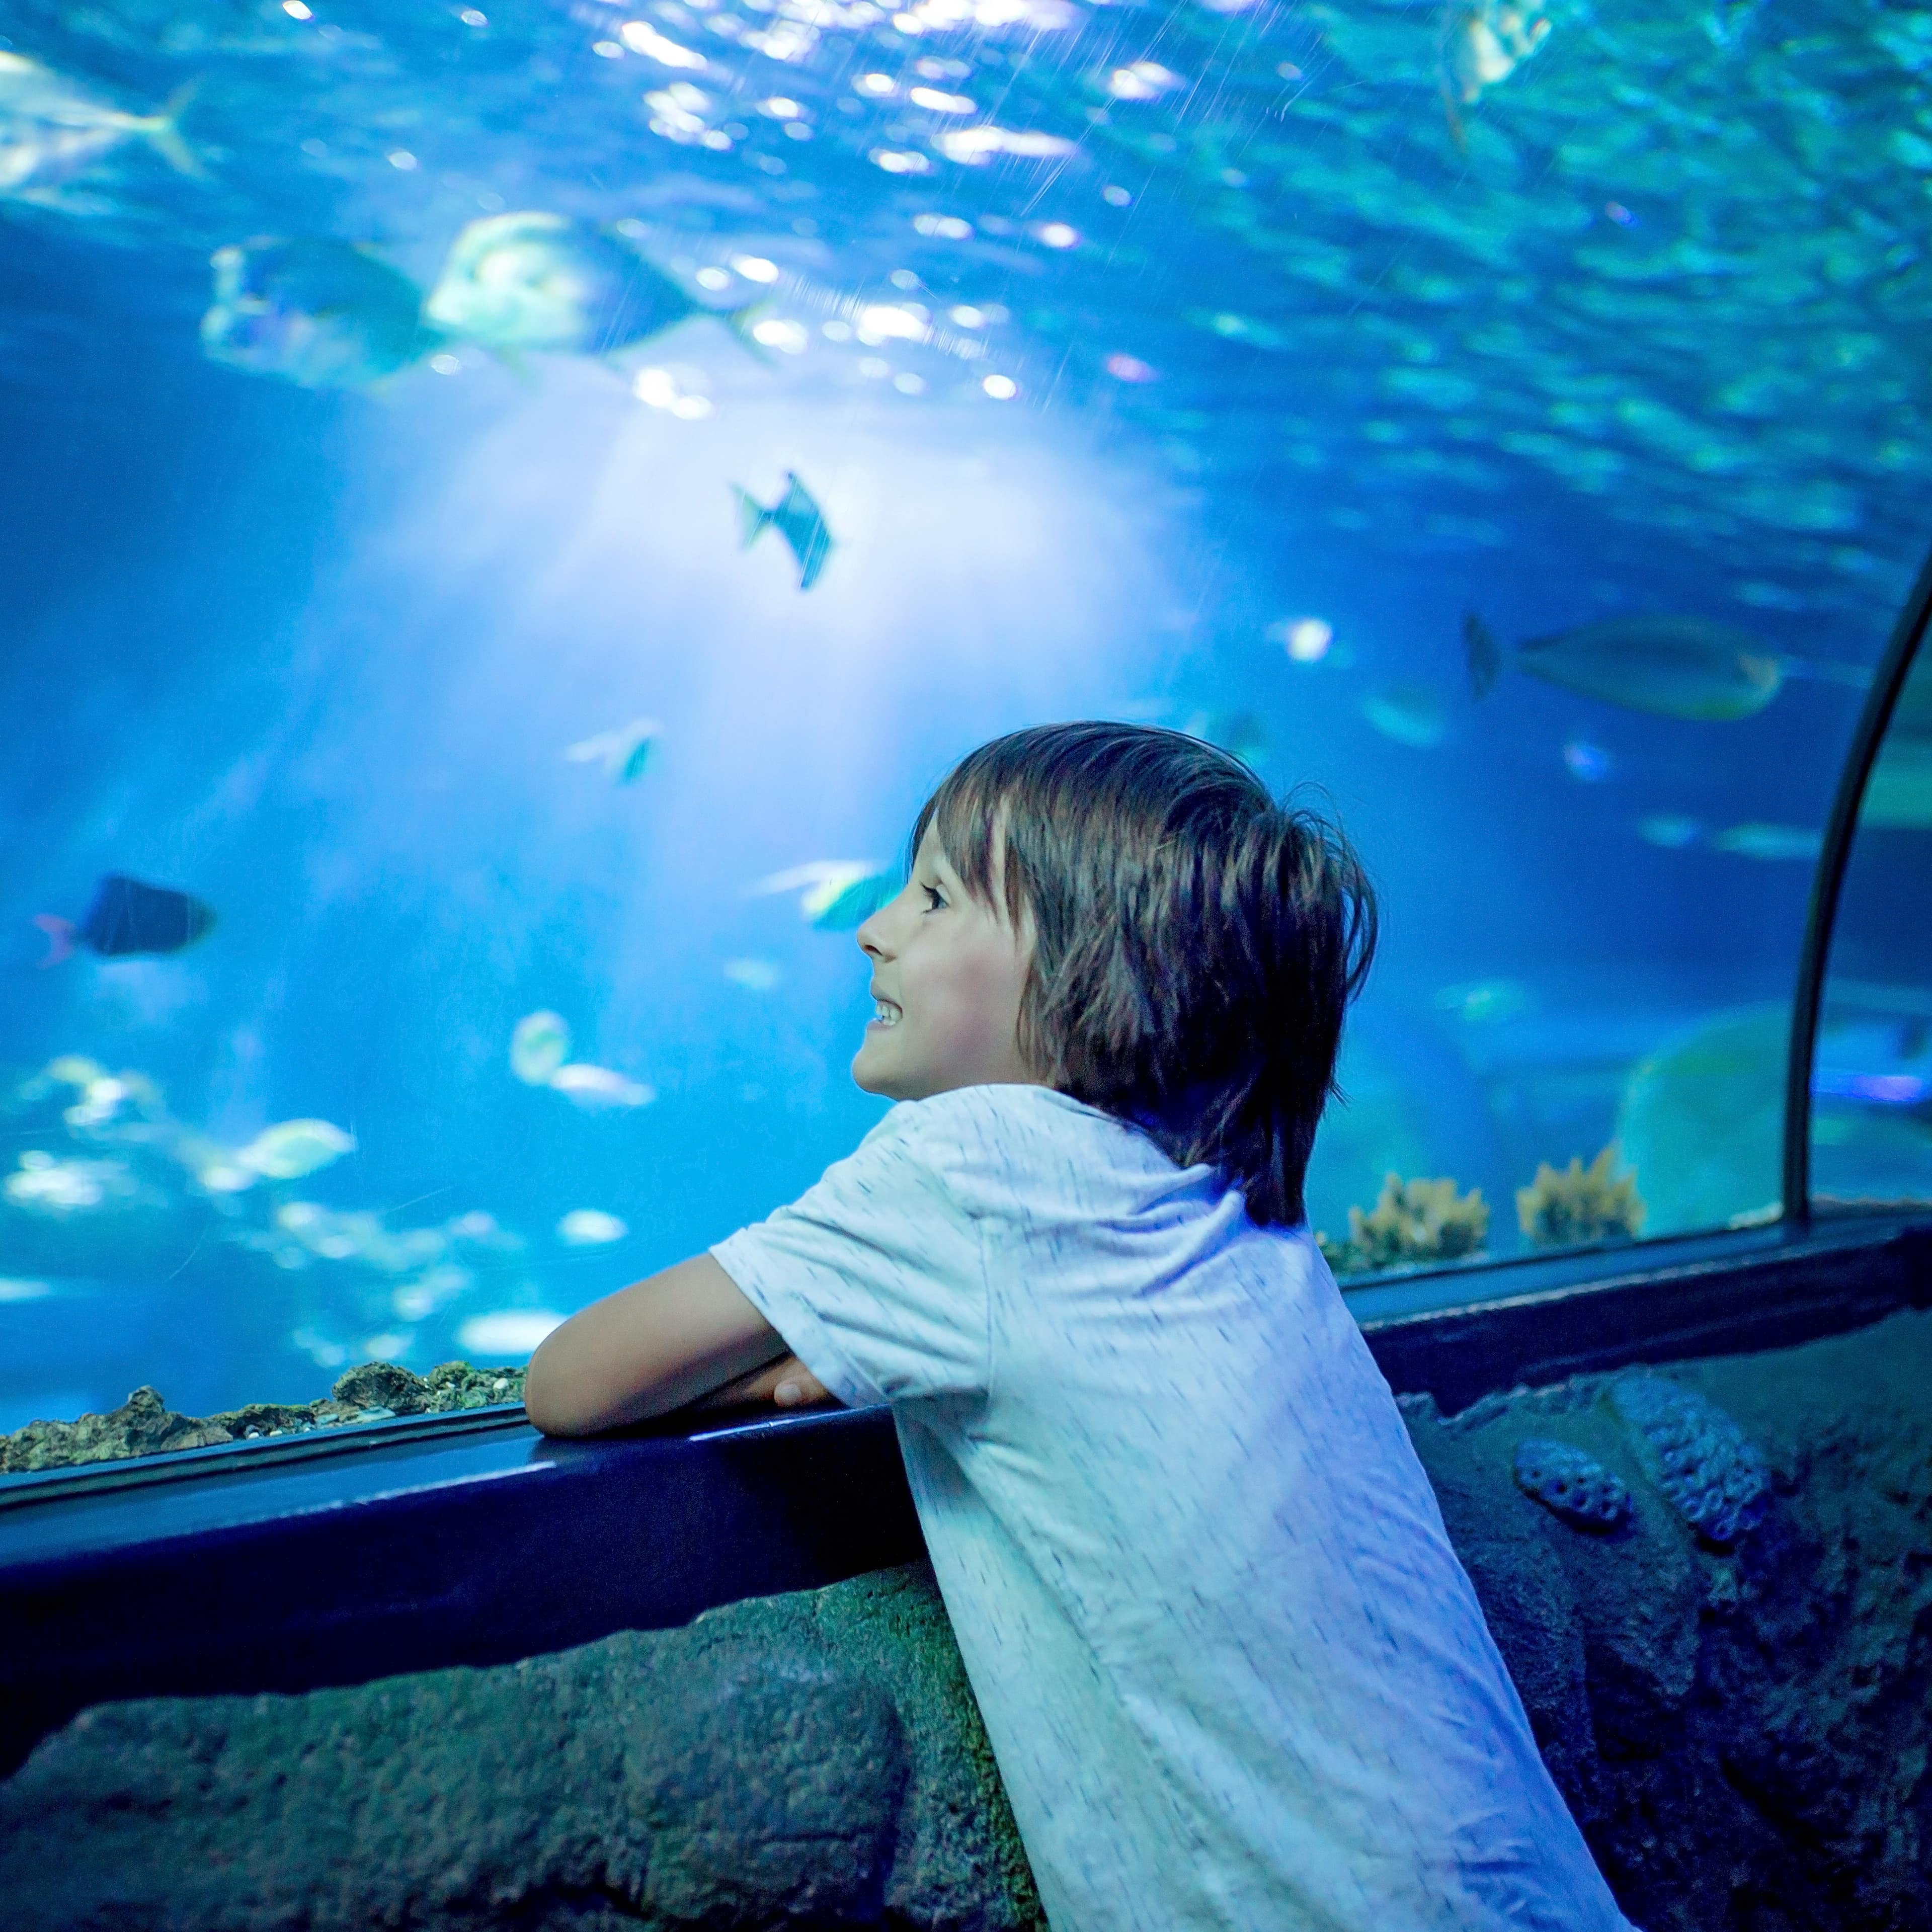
(649, 1348)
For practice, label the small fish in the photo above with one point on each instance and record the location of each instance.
(1688, 668)
(540, 1044)
(506, 1331)
(1487, 1002)
(1673, 830)
(596, 1089)
(323, 314)
(51, 130)
(835, 895)
(128, 915)
(1240, 733)
(1411, 714)
(797, 517)
(1479, 43)
(590, 1227)
(1587, 762)
(536, 281)
(1306, 639)
(1770, 842)
(755, 975)
(623, 753)
(293, 1148)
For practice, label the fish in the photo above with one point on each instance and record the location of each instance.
(1306, 639)
(535, 281)
(539, 1045)
(624, 753)
(797, 517)
(1590, 762)
(128, 915)
(1487, 1002)
(597, 1089)
(1690, 668)
(1673, 830)
(506, 1331)
(590, 1227)
(321, 314)
(1411, 714)
(293, 1148)
(1478, 43)
(1770, 842)
(755, 975)
(51, 130)
(835, 895)
(1898, 794)
(1239, 732)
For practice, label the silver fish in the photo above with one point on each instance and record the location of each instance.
(797, 517)
(1672, 667)
(51, 130)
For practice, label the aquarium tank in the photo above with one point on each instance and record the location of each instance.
(509, 508)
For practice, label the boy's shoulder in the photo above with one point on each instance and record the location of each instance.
(1014, 1148)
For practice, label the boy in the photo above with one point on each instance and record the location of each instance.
(1232, 1673)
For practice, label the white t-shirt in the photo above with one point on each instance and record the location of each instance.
(1231, 1670)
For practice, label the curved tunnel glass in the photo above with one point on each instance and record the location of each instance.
(509, 511)
(1871, 1073)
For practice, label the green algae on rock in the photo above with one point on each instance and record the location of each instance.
(1571, 1206)
(144, 1425)
(1412, 1222)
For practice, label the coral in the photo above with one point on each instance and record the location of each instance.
(1411, 1221)
(144, 1425)
(1571, 1485)
(1567, 1207)
(1695, 1454)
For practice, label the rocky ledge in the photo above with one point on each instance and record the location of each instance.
(144, 1425)
(1712, 1582)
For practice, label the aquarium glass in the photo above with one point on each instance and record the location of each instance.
(1871, 1074)
(508, 509)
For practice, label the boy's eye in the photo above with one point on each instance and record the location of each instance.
(935, 898)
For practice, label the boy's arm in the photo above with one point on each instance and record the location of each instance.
(651, 1347)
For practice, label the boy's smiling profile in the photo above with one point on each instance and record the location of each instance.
(1231, 1669)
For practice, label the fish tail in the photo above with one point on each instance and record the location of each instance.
(164, 135)
(754, 519)
(1482, 654)
(1459, 130)
(741, 322)
(60, 935)
(1824, 670)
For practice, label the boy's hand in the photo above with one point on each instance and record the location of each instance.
(787, 1382)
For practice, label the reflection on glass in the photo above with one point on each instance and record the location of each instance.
(1871, 1074)
(511, 511)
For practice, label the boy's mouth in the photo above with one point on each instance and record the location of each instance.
(885, 1014)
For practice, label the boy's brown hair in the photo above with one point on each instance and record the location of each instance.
(1197, 943)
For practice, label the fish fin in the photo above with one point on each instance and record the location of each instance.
(1824, 670)
(814, 557)
(1482, 654)
(513, 360)
(164, 136)
(1459, 130)
(60, 935)
(741, 322)
(753, 517)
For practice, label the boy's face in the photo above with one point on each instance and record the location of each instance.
(947, 972)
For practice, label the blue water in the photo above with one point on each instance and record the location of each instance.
(1240, 337)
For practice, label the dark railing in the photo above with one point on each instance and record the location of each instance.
(1840, 829)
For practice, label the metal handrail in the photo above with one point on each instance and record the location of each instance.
(1828, 882)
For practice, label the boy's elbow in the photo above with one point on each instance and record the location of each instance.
(550, 1401)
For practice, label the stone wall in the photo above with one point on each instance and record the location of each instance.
(1737, 1712)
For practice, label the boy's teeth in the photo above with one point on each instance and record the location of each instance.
(885, 1013)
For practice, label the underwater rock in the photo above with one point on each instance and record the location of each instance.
(1411, 1221)
(1568, 1206)
(814, 1759)
(1697, 1455)
(145, 1426)
(1574, 1487)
